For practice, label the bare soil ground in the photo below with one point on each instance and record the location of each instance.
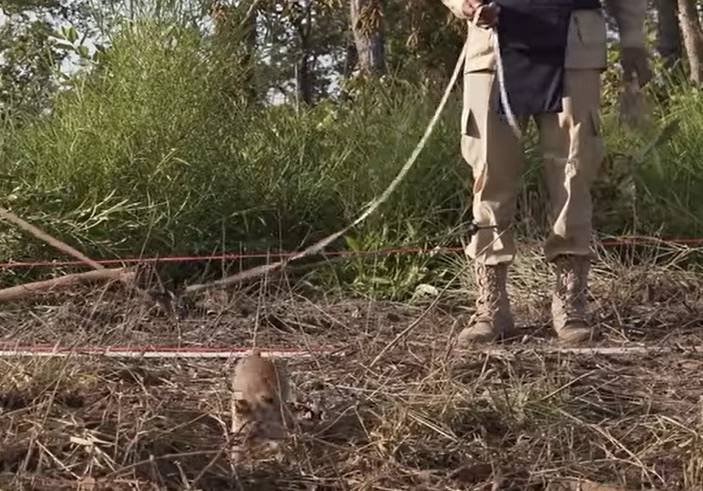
(424, 417)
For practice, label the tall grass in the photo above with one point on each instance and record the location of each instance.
(671, 179)
(158, 150)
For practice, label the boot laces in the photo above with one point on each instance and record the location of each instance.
(490, 292)
(571, 287)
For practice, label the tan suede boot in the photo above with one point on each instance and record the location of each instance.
(493, 318)
(569, 299)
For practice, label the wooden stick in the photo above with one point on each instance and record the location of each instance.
(71, 279)
(28, 351)
(28, 227)
(595, 350)
(37, 287)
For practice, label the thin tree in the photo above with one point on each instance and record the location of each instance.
(692, 38)
(302, 21)
(368, 30)
(668, 32)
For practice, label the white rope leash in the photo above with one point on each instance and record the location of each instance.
(500, 73)
(512, 121)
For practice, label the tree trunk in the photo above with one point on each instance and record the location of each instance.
(367, 27)
(305, 79)
(351, 59)
(668, 32)
(692, 38)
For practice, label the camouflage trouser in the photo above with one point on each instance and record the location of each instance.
(571, 146)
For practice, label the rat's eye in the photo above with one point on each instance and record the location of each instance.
(268, 400)
(242, 406)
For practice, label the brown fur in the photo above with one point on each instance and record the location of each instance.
(260, 392)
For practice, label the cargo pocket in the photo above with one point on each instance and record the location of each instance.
(479, 50)
(469, 126)
(588, 28)
(587, 40)
(471, 143)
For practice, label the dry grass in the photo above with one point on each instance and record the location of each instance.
(419, 419)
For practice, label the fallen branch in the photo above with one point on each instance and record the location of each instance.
(124, 275)
(38, 287)
(63, 247)
(593, 351)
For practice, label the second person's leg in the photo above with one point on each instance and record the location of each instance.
(572, 149)
(491, 149)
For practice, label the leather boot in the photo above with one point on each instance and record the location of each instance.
(493, 318)
(569, 299)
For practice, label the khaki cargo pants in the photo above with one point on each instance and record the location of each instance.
(570, 144)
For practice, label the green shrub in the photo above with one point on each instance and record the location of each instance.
(158, 151)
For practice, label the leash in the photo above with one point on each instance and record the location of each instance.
(512, 121)
(500, 71)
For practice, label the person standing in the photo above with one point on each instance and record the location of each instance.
(552, 53)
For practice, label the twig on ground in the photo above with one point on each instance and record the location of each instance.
(596, 350)
(28, 289)
(62, 246)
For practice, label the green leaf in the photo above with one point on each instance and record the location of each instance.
(83, 51)
(72, 35)
(63, 45)
(352, 244)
